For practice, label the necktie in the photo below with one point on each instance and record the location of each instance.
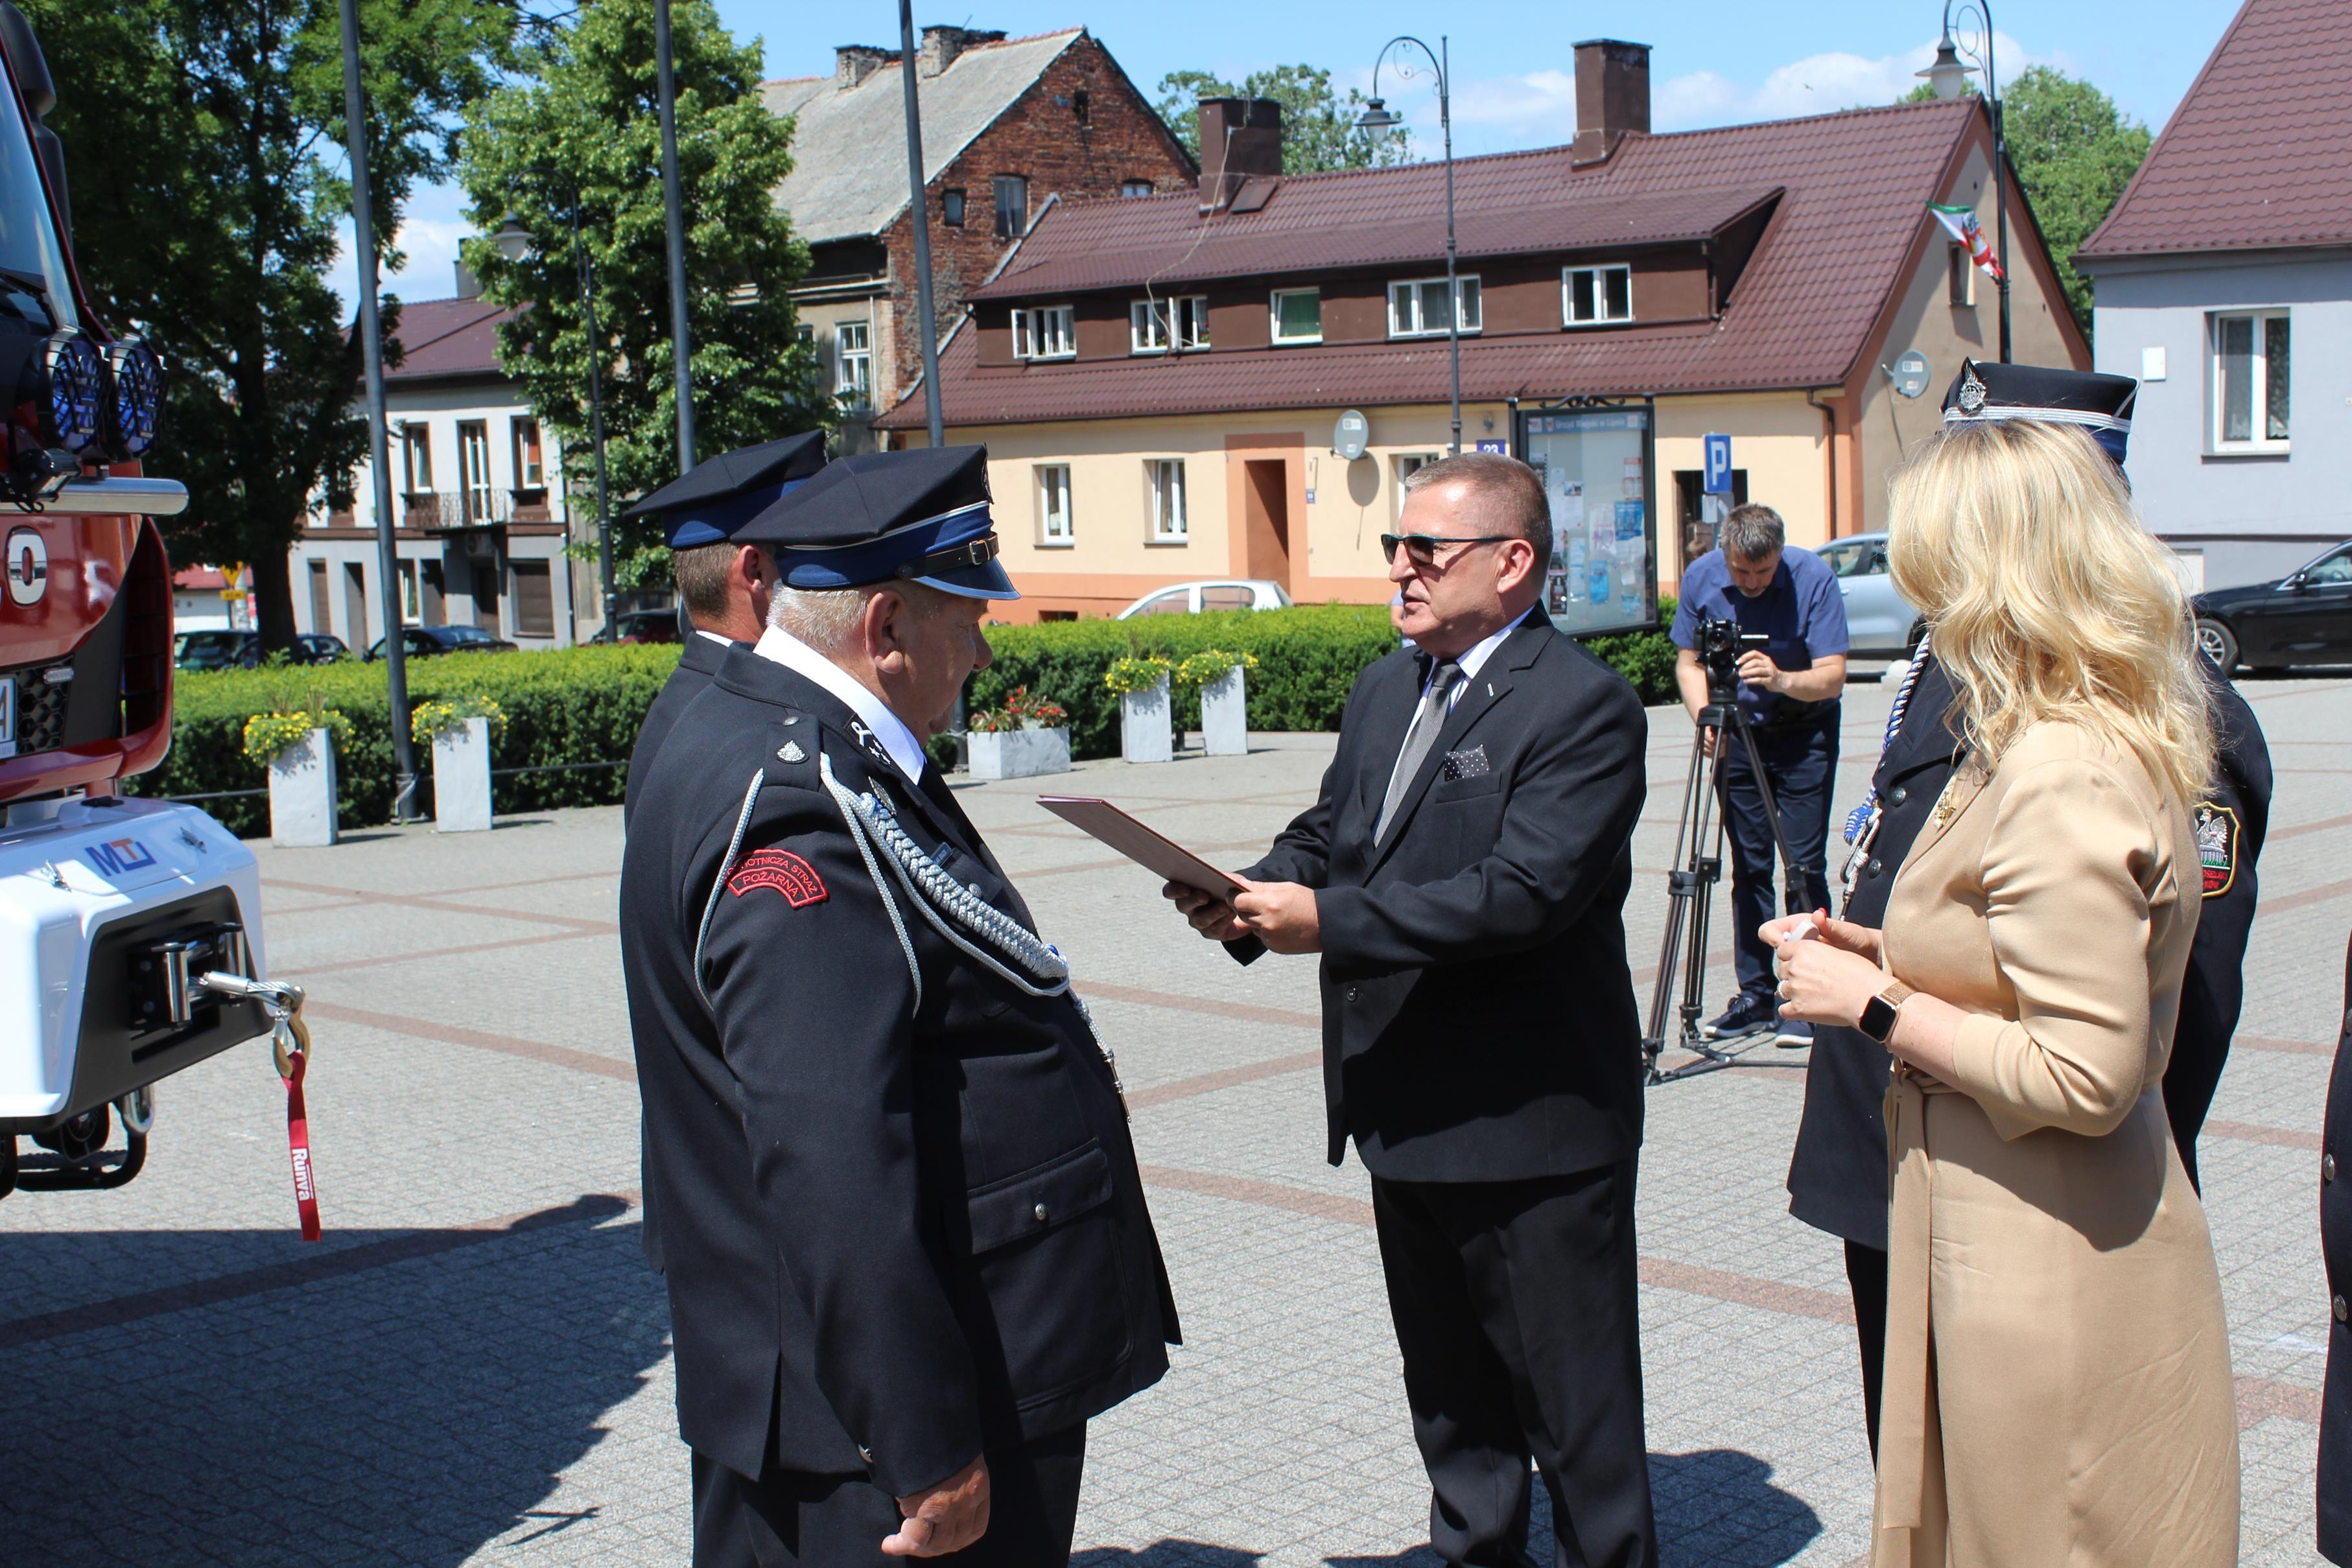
(1426, 722)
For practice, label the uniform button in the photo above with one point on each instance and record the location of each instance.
(1877, 866)
(865, 1453)
(2328, 1168)
(2340, 1310)
(1896, 796)
(1043, 1213)
(1351, 993)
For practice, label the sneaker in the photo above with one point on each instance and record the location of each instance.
(1794, 1035)
(1745, 1016)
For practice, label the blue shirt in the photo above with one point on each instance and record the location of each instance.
(1801, 611)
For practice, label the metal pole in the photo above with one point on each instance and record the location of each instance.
(2000, 176)
(595, 412)
(674, 221)
(395, 661)
(920, 204)
(1452, 288)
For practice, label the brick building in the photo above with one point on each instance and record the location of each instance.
(1009, 127)
(1160, 381)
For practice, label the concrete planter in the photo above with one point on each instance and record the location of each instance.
(1018, 753)
(302, 793)
(461, 778)
(1145, 734)
(1224, 716)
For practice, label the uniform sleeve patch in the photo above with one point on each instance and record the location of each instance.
(2217, 846)
(781, 869)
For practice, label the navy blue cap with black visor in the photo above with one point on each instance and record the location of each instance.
(920, 516)
(2100, 405)
(708, 505)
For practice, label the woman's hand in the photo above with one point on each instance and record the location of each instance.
(1842, 935)
(1825, 983)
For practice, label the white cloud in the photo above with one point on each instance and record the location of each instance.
(429, 232)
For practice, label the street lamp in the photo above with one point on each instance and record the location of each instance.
(1948, 75)
(1378, 116)
(515, 242)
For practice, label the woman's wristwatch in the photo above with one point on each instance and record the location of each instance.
(1877, 1019)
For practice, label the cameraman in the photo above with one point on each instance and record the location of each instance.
(1789, 689)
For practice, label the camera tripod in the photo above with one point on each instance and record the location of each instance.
(1690, 885)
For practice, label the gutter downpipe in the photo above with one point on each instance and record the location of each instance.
(1829, 453)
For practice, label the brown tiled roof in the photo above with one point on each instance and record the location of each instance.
(1505, 205)
(1855, 185)
(2259, 154)
(448, 338)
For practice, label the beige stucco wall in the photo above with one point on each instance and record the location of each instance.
(1775, 436)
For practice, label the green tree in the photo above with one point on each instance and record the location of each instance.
(205, 142)
(1318, 127)
(2074, 152)
(582, 117)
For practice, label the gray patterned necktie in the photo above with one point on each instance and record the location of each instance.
(1427, 721)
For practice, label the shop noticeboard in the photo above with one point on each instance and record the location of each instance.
(1597, 462)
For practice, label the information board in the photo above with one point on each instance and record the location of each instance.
(1597, 472)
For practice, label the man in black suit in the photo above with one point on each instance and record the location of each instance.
(722, 583)
(908, 1255)
(2335, 1249)
(1464, 875)
(1837, 1173)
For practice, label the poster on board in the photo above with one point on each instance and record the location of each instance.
(1596, 467)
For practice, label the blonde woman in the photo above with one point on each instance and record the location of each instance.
(2057, 1380)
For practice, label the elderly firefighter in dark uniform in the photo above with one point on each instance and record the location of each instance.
(1838, 1175)
(907, 1249)
(722, 583)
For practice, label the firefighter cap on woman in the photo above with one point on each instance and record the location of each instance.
(2102, 405)
(919, 515)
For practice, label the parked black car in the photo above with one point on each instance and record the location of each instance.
(423, 642)
(640, 626)
(2304, 618)
(216, 650)
(319, 648)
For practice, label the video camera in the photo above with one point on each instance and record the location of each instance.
(1721, 640)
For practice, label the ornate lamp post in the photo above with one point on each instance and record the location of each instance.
(515, 243)
(1378, 116)
(1949, 76)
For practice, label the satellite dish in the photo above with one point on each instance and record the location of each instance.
(1349, 437)
(1909, 372)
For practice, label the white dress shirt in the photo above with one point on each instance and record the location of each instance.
(888, 728)
(722, 642)
(1475, 659)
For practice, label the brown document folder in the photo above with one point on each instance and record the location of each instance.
(1152, 850)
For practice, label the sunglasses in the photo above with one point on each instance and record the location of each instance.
(1421, 548)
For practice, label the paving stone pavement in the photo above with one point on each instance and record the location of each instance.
(472, 1368)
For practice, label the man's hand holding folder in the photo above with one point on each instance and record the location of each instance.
(1281, 914)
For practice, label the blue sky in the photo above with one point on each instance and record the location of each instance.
(1714, 62)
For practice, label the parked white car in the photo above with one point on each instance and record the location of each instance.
(1219, 593)
(1879, 623)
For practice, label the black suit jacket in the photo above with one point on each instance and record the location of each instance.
(1478, 1017)
(902, 1220)
(698, 659)
(2335, 1246)
(1837, 1174)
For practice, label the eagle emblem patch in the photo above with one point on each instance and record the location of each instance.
(1972, 392)
(784, 871)
(2217, 846)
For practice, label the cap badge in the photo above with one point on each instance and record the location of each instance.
(1972, 394)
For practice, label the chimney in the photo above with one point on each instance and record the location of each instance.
(853, 63)
(1241, 139)
(1612, 96)
(468, 286)
(942, 44)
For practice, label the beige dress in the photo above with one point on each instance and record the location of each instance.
(2057, 1383)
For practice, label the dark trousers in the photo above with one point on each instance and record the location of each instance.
(1866, 1275)
(791, 1518)
(1515, 1309)
(1802, 767)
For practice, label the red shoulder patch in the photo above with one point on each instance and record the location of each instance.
(781, 869)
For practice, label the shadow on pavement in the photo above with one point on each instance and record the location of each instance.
(406, 1413)
(1167, 1554)
(1717, 1506)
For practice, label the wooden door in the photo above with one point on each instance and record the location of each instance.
(1266, 501)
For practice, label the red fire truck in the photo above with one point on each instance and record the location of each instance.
(130, 929)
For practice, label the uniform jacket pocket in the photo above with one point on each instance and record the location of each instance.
(1039, 1199)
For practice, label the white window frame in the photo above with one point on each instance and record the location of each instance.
(1274, 305)
(1402, 465)
(1164, 482)
(1133, 188)
(1192, 321)
(859, 386)
(530, 473)
(415, 444)
(412, 592)
(1150, 329)
(1057, 325)
(1598, 272)
(2261, 442)
(1412, 291)
(1053, 484)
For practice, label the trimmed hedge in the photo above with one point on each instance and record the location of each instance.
(579, 709)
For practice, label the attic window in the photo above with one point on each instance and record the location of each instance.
(1135, 187)
(1596, 296)
(1012, 207)
(951, 208)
